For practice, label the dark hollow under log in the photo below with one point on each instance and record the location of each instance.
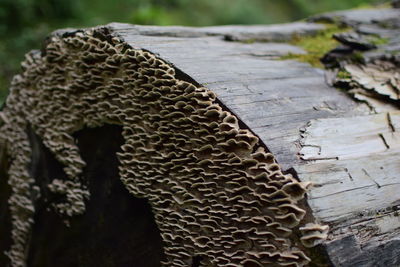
(116, 230)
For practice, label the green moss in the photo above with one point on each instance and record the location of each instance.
(377, 40)
(342, 74)
(316, 46)
(248, 41)
(357, 57)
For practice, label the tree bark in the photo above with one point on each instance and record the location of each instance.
(343, 140)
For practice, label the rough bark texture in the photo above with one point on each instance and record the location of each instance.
(344, 140)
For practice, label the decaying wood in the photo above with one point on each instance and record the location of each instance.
(217, 194)
(250, 80)
(354, 161)
(345, 140)
(357, 159)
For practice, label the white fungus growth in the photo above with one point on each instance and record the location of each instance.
(214, 190)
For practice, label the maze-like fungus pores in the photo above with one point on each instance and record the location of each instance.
(214, 190)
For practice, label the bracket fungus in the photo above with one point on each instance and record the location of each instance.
(214, 189)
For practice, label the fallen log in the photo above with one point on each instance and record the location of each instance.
(127, 145)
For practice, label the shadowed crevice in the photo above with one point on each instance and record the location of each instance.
(117, 229)
(5, 215)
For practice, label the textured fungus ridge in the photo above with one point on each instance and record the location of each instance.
(214, 190)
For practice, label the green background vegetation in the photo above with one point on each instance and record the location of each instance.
(25, 23)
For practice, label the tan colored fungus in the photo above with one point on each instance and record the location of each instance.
(313, 234)
(214, 190)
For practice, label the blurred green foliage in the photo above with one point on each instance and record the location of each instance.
(25, 23)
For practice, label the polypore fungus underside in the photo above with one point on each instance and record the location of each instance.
(214, 190)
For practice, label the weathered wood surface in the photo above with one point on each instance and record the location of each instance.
(349, 150)
(270, 33)
(274, 98)
(350, 154)
(358, 159)
(354, 162)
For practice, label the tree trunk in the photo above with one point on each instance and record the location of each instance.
(128, 145)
